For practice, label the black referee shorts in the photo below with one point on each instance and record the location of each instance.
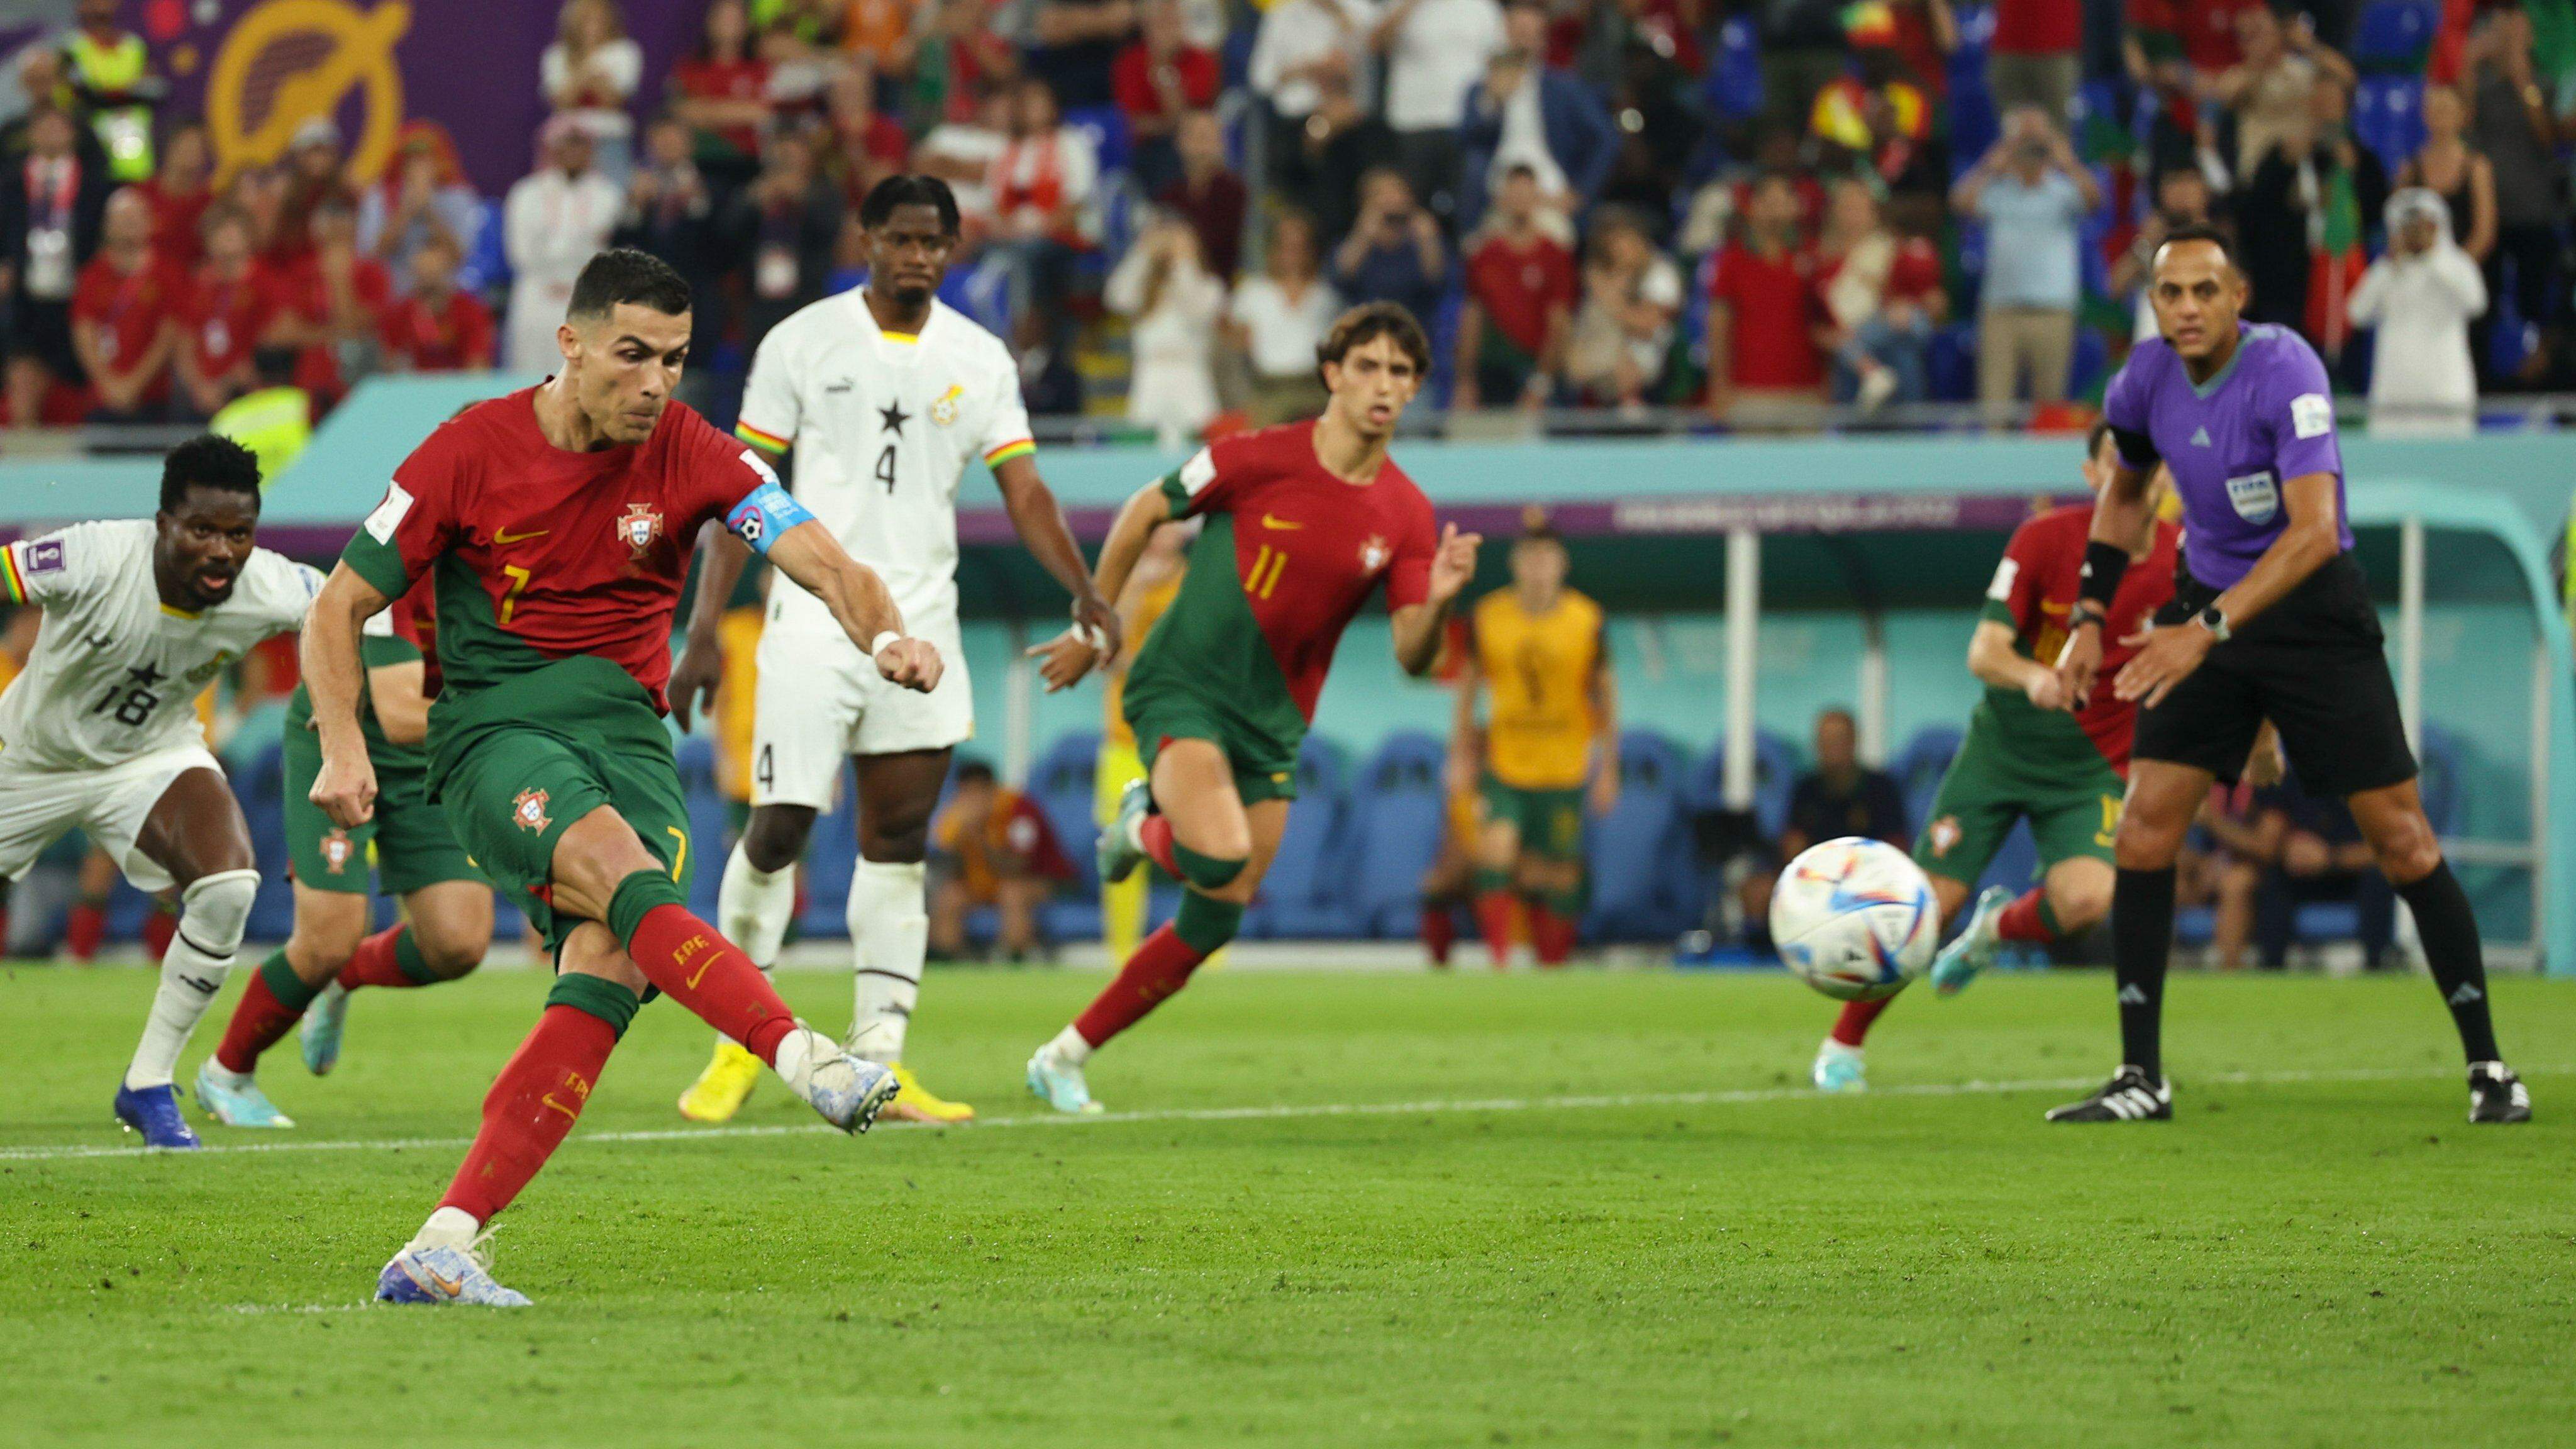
(2314, 664)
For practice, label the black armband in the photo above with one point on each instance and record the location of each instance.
(2105, 564)
(2136, 449)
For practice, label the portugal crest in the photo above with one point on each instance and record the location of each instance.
(640, 525)
(529, 810)
(335, 851)
(1945, 833)
(1373, 554)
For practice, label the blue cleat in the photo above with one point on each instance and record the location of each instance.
(236, 1101)
(320, 1033)
(1118, 854)
(1839, 1068)
(444, 1275)
(1059, 1083)
(154, 1112)
(1973, 949)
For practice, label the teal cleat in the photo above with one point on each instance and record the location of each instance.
(1839, 1068)
(1118, 854)
(320, 1032)
(1973, 949)
(235, 1100)
(1059, 1083)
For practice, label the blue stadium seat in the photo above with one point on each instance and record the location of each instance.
(708, 835)
(1973, 122)
(831, 857)
(1919, 766)
(1307, 894)
(2388, 117)
(260, 791)
(1398, 811)
(1733, 89)
(1060, 783)
(2394, 36)
(1644, 883)
(2091, 362)
(486, 268)
(1775, 774)
(1950, 362)
(1110, 138)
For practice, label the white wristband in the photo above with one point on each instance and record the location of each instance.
(1091, 638)
(877, 645)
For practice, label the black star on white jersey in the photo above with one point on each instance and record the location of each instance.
(892, 418)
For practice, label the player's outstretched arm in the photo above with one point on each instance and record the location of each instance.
(859, 600)
(1993, 660)
(1418, 626)
(333, 672)
(1039, 521)
(2121, 516)
(1063, 660)
(700, 669)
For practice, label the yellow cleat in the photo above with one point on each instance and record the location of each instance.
(916, 1104)
(719, 1091)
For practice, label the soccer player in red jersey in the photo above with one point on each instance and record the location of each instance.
(2031, 753)
(557, 523)
(1303, 522)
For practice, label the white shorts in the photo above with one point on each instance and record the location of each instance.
(39, 807)
(820, 701)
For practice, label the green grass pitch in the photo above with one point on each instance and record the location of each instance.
(1339, 1210)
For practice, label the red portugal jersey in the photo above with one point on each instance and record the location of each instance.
(1289, 555)
(540, 554)
(2034, 590)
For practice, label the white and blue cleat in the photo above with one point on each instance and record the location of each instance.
(1840, 1068)
(236, 1100)
(445, 1275)
(1059, 1083)
(1973, 949)
(154, 1112)
(320, 1033)
(1118, 854)
(848, 1092)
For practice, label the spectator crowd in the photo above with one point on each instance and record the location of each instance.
(1757, 209)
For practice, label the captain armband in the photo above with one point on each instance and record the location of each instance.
(763, 514)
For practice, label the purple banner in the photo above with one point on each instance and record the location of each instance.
(1647, 517)
(257, 69)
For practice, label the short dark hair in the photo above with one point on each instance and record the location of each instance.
(207, 461)
(1369, 321)
(914, 190)
(623, 274)
(971, 771)
(2202, 232)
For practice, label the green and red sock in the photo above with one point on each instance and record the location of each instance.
(539, 1095)
(1160, 967)
(1852, 1027)
(2028, 918)
(696, 966)
(269, 1008)
(390, 957)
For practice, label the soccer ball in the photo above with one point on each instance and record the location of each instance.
(1855, 919)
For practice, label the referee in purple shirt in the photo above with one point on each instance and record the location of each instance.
(2271, 619)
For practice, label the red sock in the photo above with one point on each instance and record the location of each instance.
(1156, 836)
(1494, 920)
(376, 963)
(1161, 966)
(1551, 935)
(1852, 1027)
(532, 1104)
(709, 975)
(260, 1021)
(2021, 920)
(84, 930)
(1439, 933)
(158, 927)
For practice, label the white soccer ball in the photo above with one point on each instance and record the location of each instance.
(1855, 919)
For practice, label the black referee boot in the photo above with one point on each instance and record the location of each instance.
(2127, 1097)
(2497, 1095)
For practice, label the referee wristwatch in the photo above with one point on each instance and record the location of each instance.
(2215, 622)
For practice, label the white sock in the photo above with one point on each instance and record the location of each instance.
(754, 907)
(191, 974)
(890, 932)
(449, 1227)
(794, 1050)
(1069, 1047)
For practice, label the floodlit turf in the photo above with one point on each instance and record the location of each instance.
(1640, 1233)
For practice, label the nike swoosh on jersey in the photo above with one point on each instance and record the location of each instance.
(503, 535)
(1269, 521)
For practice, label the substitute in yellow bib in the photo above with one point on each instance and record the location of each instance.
(1549, 748)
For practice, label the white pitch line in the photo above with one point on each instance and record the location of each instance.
(1288, 1111)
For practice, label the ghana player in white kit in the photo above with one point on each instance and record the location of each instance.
(884, 394)
(100, 733)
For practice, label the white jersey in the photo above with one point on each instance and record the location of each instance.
(115, 673)
(883, 426)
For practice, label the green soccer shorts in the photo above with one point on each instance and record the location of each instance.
(1264, 761)
(518, 763)
(2074, 811)
(413, 845)
(1550, 822)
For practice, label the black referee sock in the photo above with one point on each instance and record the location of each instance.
(2449, 931)
(2142, 911)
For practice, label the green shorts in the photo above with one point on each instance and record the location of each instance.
(412, 844)
(1264, 761)
(518, 763)
(1550, 822)
(2073, 809)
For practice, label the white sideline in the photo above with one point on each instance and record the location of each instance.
(68, 1152)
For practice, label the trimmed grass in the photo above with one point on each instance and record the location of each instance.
(1695, 1252)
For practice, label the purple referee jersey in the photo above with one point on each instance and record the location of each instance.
(2267, 417)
